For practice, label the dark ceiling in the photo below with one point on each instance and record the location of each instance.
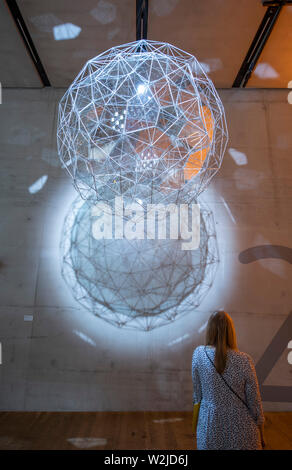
(66, 33)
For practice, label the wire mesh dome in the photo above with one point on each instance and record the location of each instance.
(136, 283)
(142, 118)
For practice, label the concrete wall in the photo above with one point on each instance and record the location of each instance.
(55, 354)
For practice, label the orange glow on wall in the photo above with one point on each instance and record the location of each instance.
(196, 159)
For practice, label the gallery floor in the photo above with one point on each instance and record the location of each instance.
(117, 430)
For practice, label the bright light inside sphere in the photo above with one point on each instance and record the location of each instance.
(141, 89)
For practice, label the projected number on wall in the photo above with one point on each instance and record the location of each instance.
(283, 337)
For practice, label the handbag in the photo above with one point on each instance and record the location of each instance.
(196, 410)
(230, 388)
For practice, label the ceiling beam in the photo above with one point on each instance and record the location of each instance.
(28, 42)
(257, 45)
(268, 3)
(141, 19)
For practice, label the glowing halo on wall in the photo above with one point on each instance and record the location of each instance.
(136, 284)
(142, 117)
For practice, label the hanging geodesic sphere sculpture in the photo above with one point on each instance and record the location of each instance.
(144, 121)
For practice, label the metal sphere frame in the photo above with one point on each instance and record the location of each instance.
(142, 118)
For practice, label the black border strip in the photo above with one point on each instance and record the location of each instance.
(257, 46)
(22, 28)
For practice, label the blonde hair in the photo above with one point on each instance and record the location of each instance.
(221, 334)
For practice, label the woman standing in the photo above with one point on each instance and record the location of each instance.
(228, 411)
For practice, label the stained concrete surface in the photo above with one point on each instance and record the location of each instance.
(56, 355)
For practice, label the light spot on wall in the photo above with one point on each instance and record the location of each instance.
(210, 65)
(112, 33)
(205, 67)
(178, 340)
(105, 12)
(84, 337)
(264, 70)
(239, 157)
(50, 156)
(164, 7)
(66, 31)
(247, 179)
(38, 184)
(45, 23)
(228, 210)
(203, 327)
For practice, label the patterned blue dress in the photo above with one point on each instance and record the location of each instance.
(224, 422)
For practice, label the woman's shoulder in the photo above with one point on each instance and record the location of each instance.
(234, 352)
(245, 357)
(201, 348)
(197, 351)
